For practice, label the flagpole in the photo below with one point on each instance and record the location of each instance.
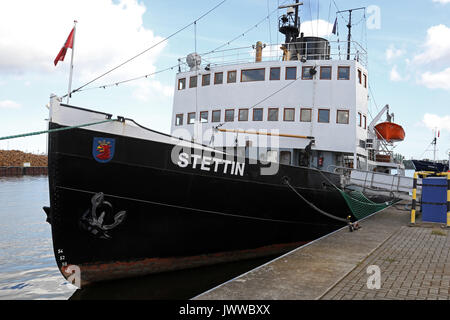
(71, 60)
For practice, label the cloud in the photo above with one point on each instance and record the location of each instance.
(146, 90)
(442, 1)
(432, 121)
(393, 53)
(108, 33)
(438, 80)
(316, 28)
(394, 75)
(9, 104)
(436, 47)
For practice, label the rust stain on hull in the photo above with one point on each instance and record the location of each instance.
(124, 269)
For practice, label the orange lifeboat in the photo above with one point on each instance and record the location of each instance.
(389, 131)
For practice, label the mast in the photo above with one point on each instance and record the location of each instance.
(349, 26)
(71, 61)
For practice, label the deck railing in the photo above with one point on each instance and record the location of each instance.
(304, 51)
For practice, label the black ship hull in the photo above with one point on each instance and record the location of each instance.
(136, 211)
(423, 165)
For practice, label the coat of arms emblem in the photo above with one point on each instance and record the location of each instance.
(103, 149)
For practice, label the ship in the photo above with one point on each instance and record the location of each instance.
(428, 164)
(251, 168)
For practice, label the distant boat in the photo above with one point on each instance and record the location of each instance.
(425, 165)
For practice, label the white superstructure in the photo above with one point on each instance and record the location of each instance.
(300, 103)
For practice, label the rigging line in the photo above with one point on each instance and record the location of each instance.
(270, 28)
(244, 33)
(310, 14)
(373, 96)
(329, 12)
(196, 126)
(340, 13)
(318, 15)
(129, 80)
(148, 49)
(172, 67)
(267, 97)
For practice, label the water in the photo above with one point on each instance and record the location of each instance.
(27, 265)
(28, 269)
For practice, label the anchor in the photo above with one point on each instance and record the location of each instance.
(95, 223)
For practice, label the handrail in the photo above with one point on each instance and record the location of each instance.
(313, 51)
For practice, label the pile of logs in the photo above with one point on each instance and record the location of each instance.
(15, 158)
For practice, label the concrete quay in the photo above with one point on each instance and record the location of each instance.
(386, 259)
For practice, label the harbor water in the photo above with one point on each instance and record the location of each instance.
(27, 265)
(28, 269)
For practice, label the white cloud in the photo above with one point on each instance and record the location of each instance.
(392, 53)
(436, 46)
(442, 1)
(432, 121)
(108, 32)
(395, 75)
(438, 80)
(317, 28)
(9, 104)
(146, 90)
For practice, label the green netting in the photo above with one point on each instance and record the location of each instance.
(361, 206)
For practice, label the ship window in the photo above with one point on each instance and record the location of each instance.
(179, 119)
(365, 122)
(325, 73)
(243, 114)
(193, 82)
(285, 157)
(359, 76)
(204, 116)
(306, 73)
(324, 115)
(218, 78)
(343, 73)
(365, 81)
(253, 75)
(206, 79)
(359, 119)
(289, 114)
(275, 73)
(215, 116)
(291, 73)
(305, 115)
(258, 114)
(269, 156)
(191, 118)
(231, 76)
(342, 116)
(182, 84)
(273, 114)
(229, 115)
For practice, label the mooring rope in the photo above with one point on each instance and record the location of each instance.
(55, 130)
(314, 207)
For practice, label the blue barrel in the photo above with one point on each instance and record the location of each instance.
(434, 199)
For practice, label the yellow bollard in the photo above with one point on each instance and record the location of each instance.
(414, 195)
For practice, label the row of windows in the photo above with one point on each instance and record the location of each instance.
(323, 116)
(249, 75)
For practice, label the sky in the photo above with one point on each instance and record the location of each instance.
(408, 43)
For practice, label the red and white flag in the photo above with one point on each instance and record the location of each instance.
(68, 44)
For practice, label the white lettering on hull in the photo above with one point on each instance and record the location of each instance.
(211, 164)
